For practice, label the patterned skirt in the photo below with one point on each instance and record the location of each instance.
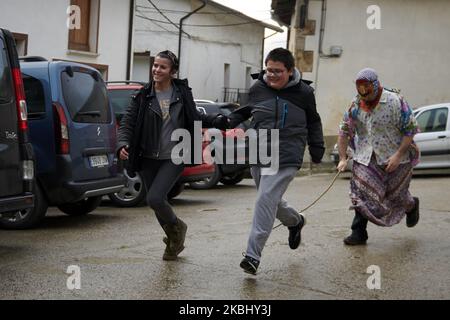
(383, 198)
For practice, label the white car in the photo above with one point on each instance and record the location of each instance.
(434, 137)
(433, 140)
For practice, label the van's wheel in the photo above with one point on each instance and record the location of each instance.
(233, 179)
(176, 190)
(27, 218)
(208, 183)
(132, 194)
(81, 207)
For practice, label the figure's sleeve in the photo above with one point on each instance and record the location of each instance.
(208, 120)
(347, 124)
(239, 115)
(243, 113)
(408, 124)
(128, 122)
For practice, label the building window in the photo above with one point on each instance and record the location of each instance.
(142, 66)
(226, 75)
(85, 38)
(21, 43)
(235, 95)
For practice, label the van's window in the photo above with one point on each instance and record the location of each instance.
(5, 75)
(120, 99)
(34, 92)
(85, 98)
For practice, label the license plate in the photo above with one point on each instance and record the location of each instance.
(98, 161)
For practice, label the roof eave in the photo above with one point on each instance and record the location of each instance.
(243, 16)
(282, 11)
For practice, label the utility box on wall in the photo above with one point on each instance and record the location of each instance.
(336, 51)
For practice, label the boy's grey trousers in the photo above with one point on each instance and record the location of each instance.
(270, 205)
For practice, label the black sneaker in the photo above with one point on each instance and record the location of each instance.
(412, 217)
(356, 238)
(295, 236)
(249, 264)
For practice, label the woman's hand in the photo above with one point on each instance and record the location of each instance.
(342, 165)
(123, 154)
(393, 162)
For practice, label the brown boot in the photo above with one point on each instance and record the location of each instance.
(176, 234)
(412, 217)
(169, 254)
(359, 234)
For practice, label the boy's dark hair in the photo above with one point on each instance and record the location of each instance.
(281, 55)
(167, 54)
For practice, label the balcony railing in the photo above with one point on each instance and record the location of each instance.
(235, 95)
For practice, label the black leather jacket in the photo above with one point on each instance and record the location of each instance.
(141, 125)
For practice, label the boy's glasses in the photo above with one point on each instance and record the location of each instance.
(275, 72)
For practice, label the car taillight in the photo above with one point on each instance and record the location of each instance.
(62, 131)
(21, 103)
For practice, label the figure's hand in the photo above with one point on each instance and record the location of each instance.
(342, 165)
(393, 162)
(221, 122)
(123, 154)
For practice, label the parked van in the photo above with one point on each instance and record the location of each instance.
(16, 153)
(73, 133)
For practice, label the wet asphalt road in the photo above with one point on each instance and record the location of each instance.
(118, 250)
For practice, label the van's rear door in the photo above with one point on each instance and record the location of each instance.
(11, 182)
(90, 122)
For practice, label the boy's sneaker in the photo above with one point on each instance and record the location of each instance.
(295, 236)
(249, 264)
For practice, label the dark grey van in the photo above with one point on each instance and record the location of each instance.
(72, 130)
(16, 153)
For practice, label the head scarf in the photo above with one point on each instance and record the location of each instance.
(370, 75)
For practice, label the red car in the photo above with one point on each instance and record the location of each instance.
(134, 193)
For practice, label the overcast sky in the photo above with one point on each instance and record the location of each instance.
(258, 9)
